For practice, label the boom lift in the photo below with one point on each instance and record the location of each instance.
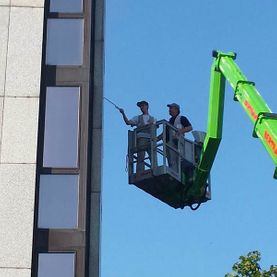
(187, 183)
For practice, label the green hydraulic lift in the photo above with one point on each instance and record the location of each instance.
(245, 92)
(194, 189)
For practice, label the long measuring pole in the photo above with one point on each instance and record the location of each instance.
(111, 103)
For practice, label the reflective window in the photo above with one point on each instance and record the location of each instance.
(61, 127)
(65, 43)
(58, 201)
(56, 265)
(66, 6)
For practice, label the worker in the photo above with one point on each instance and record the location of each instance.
(184, 126)
(144, 135)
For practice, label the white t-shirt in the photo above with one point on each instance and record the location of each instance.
(135, 122)
(145, 117)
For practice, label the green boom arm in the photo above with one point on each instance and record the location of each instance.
(265, 122)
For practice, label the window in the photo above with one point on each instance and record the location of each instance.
(58, 201)
(56, 265)
(65, 41)
(66, 6)
(61, 127)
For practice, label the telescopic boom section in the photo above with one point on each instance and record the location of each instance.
(245, 92)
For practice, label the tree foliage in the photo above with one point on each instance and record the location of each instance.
(248, 266)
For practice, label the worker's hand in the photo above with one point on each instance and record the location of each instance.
(121, 110)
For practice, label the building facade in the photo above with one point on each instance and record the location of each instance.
(51, 92)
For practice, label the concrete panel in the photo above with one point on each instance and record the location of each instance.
(24, 54)
(17, 185)
(19, 135)
(4, 2)
(1, 116)
(95, 230)
(10, 272)
(100, 19)
(96, 177)
(98, 86)
(27, 3)
(4, 26)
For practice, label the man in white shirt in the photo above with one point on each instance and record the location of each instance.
(184, 126)
(143, 136)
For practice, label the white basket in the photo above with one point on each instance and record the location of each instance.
(199, 136)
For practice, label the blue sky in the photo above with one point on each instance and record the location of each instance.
(160, 51)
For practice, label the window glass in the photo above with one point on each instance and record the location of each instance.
(65, 43)
(61, 127)
(66, 6)
(56, 265)
(58, 201)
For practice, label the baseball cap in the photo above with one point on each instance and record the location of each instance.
(141, 103)
(174, 105)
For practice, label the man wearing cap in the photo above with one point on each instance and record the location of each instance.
(143, 137)
(183, 125)
(180, 122)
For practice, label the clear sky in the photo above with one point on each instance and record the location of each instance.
(160, 51)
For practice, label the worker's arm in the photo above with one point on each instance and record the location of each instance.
(185, 130)
(187, 127)
(125, 118)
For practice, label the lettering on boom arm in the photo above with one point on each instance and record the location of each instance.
(250, 109)
(270, 142)
(268, 138)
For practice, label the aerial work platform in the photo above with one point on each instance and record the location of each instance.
(167, 164)
(177, 170)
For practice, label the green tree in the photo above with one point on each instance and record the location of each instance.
(248, 266)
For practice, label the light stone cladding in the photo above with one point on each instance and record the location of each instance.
(5, 2)
(21, 30)
(11, 272)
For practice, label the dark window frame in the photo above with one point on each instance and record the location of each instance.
(68, 240)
